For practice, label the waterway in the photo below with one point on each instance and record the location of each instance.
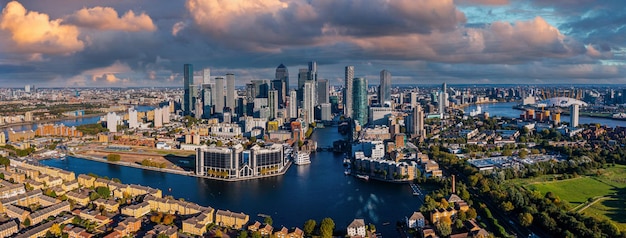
(312, 191)
(71, 122)
(506, 110)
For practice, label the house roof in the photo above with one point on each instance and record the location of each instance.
(357, 223)
(417, 216)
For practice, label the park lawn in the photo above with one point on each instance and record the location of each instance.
(612, 208)
(575, 191)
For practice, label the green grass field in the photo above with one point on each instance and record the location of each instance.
(575, 191)
(611, 184)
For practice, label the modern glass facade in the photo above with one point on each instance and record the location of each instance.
(188, 82)
(359, 100)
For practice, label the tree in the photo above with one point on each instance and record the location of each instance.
(162, 235)
(507, 206)
(523, 153)
(242, 234)
(6, 162)
(26, 222)
(309, 226)
(471, 213)
(458, 224)
(507, 152)
(525, 219)
(268, 220)
(168, 219)
(114, 157)
(327, 227)
(104, 192)
(372, 227)
(443, 203)
(55, 229)
(444, 229)
(256, 234)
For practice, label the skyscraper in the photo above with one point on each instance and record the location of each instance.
(308, 104)
(219, 95)
(206, 76)
(312, 75)
(417, 122)
(574, 114)
(279, 86)
(282, 74)
(293, 104)
(187, 84)
(347, 91)
(384, 92)
(359, 98)
(230, 91)
(272, 103)
(323, 91)
(207, 100)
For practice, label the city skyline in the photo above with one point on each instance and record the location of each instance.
(130, 44)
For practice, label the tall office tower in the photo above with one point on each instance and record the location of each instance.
(293, 104)
(207, 100)
(112, 122)
(272, 103)
(308, 104)
(359, 98)
(166, 114)
(444, 87)
(187, 84)
(132, 118)
(417, 121)
(158, 118)
(230, 91)
(282, 74)
(384, 93)
(27, 88)
(171, 106)
(323, 91)
(199, 108)
(279, 86)
(206, 76)
(574, 114)
(413, 96)
(302, 77)
(219, 95)
(261, 88)
(312, 75)
(443, 96)
(347, 91)
(325, 112)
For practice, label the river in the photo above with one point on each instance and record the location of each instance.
(506, 110)
(70, 122)
(312, 191)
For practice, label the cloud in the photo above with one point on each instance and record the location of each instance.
(34, 32)
(272, 25)
(179, 26)
(106, 18)
(482, 2)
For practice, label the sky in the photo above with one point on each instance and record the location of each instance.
(121, 43)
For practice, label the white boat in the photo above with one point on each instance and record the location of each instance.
(347, 171)
(301, 158)
(364, 177)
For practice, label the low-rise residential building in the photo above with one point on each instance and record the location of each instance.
(282, 233)
(16, 212)
(8, 228)
(54, 210)
(136, 210)
(197, 225)
(357, 228)
(108, 205)
(92, 215)
(266, 230)
(231, 219)
(86, 180)
(79, 198)
(8, 189)
(417, 220)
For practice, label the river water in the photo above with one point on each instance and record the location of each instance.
(506, 110)
(312, 191)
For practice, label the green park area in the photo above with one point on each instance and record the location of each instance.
(601, 195)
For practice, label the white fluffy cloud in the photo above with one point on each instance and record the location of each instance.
(34, 32)
(106, 18)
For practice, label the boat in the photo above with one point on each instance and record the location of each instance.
(347, 171)
(301, 158)
(364, 177)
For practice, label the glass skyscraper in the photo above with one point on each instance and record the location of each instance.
(384, 93)
(188, 82)
(359, 100)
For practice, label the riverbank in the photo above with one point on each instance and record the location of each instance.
(179, 172)
(51, 120)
